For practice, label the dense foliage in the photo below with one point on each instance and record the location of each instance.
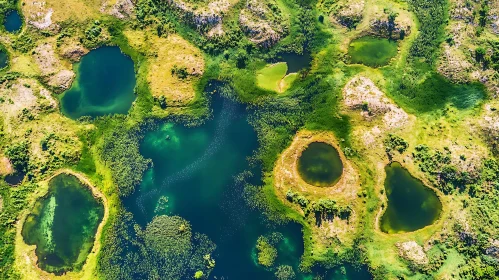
(165, 249)
(431, 15)
(120, 152)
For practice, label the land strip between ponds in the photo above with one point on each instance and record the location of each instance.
(26, 259)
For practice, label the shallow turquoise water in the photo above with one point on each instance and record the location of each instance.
(320, 165)
(195, 169)
(411, 205)
(13, 22)
(63, 224)
(104, 85)
(372, 51)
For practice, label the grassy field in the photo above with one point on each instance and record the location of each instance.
(273, 77)
(164, 55)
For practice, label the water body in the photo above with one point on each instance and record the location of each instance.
(411, 205)
(13, 22)
(15, 179)
(104, 84)
(372, 51)
(63, 224)
(320, 165)
(195, 169)
(295, 62)
(4, 59)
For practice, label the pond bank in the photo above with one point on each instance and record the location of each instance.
(26, 259)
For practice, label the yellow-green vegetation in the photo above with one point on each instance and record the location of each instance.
(273, 77)
(433, 109)
(266, 252)
(175, 66)
(332, 212)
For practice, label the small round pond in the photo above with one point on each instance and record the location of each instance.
(13, 21)
(63, 224)
(295, 62)
(320, 165)
(372, 51)
(104, 85)
(411, 204)
(4, 59)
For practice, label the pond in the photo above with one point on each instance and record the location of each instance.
(295, 62)
(4, 59)
(195, 168)
(63, 224)
(15, 179)
(105, 82)
(372, 51)
(320, 165)
(13, 21)
(411, 204)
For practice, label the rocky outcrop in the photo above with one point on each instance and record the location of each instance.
(389, 29)
(262, 22)
(413, 252)
(350, 14)
(62, 79)
(122, 9)
(204, 16)
(74, 52)
(52, 68)
(362, 94)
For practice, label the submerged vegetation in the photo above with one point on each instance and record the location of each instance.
(193, 118)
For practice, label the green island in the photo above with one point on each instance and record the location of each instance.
(255, 139)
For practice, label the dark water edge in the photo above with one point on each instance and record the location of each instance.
(295, 62)
(4, 59)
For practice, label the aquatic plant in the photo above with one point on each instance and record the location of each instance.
(267, 253)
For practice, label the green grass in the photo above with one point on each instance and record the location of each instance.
(273, 77)
(372, 51)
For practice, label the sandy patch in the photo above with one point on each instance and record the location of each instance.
(5, 166)
(412, 251)
(19, 96)
(360, 93)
